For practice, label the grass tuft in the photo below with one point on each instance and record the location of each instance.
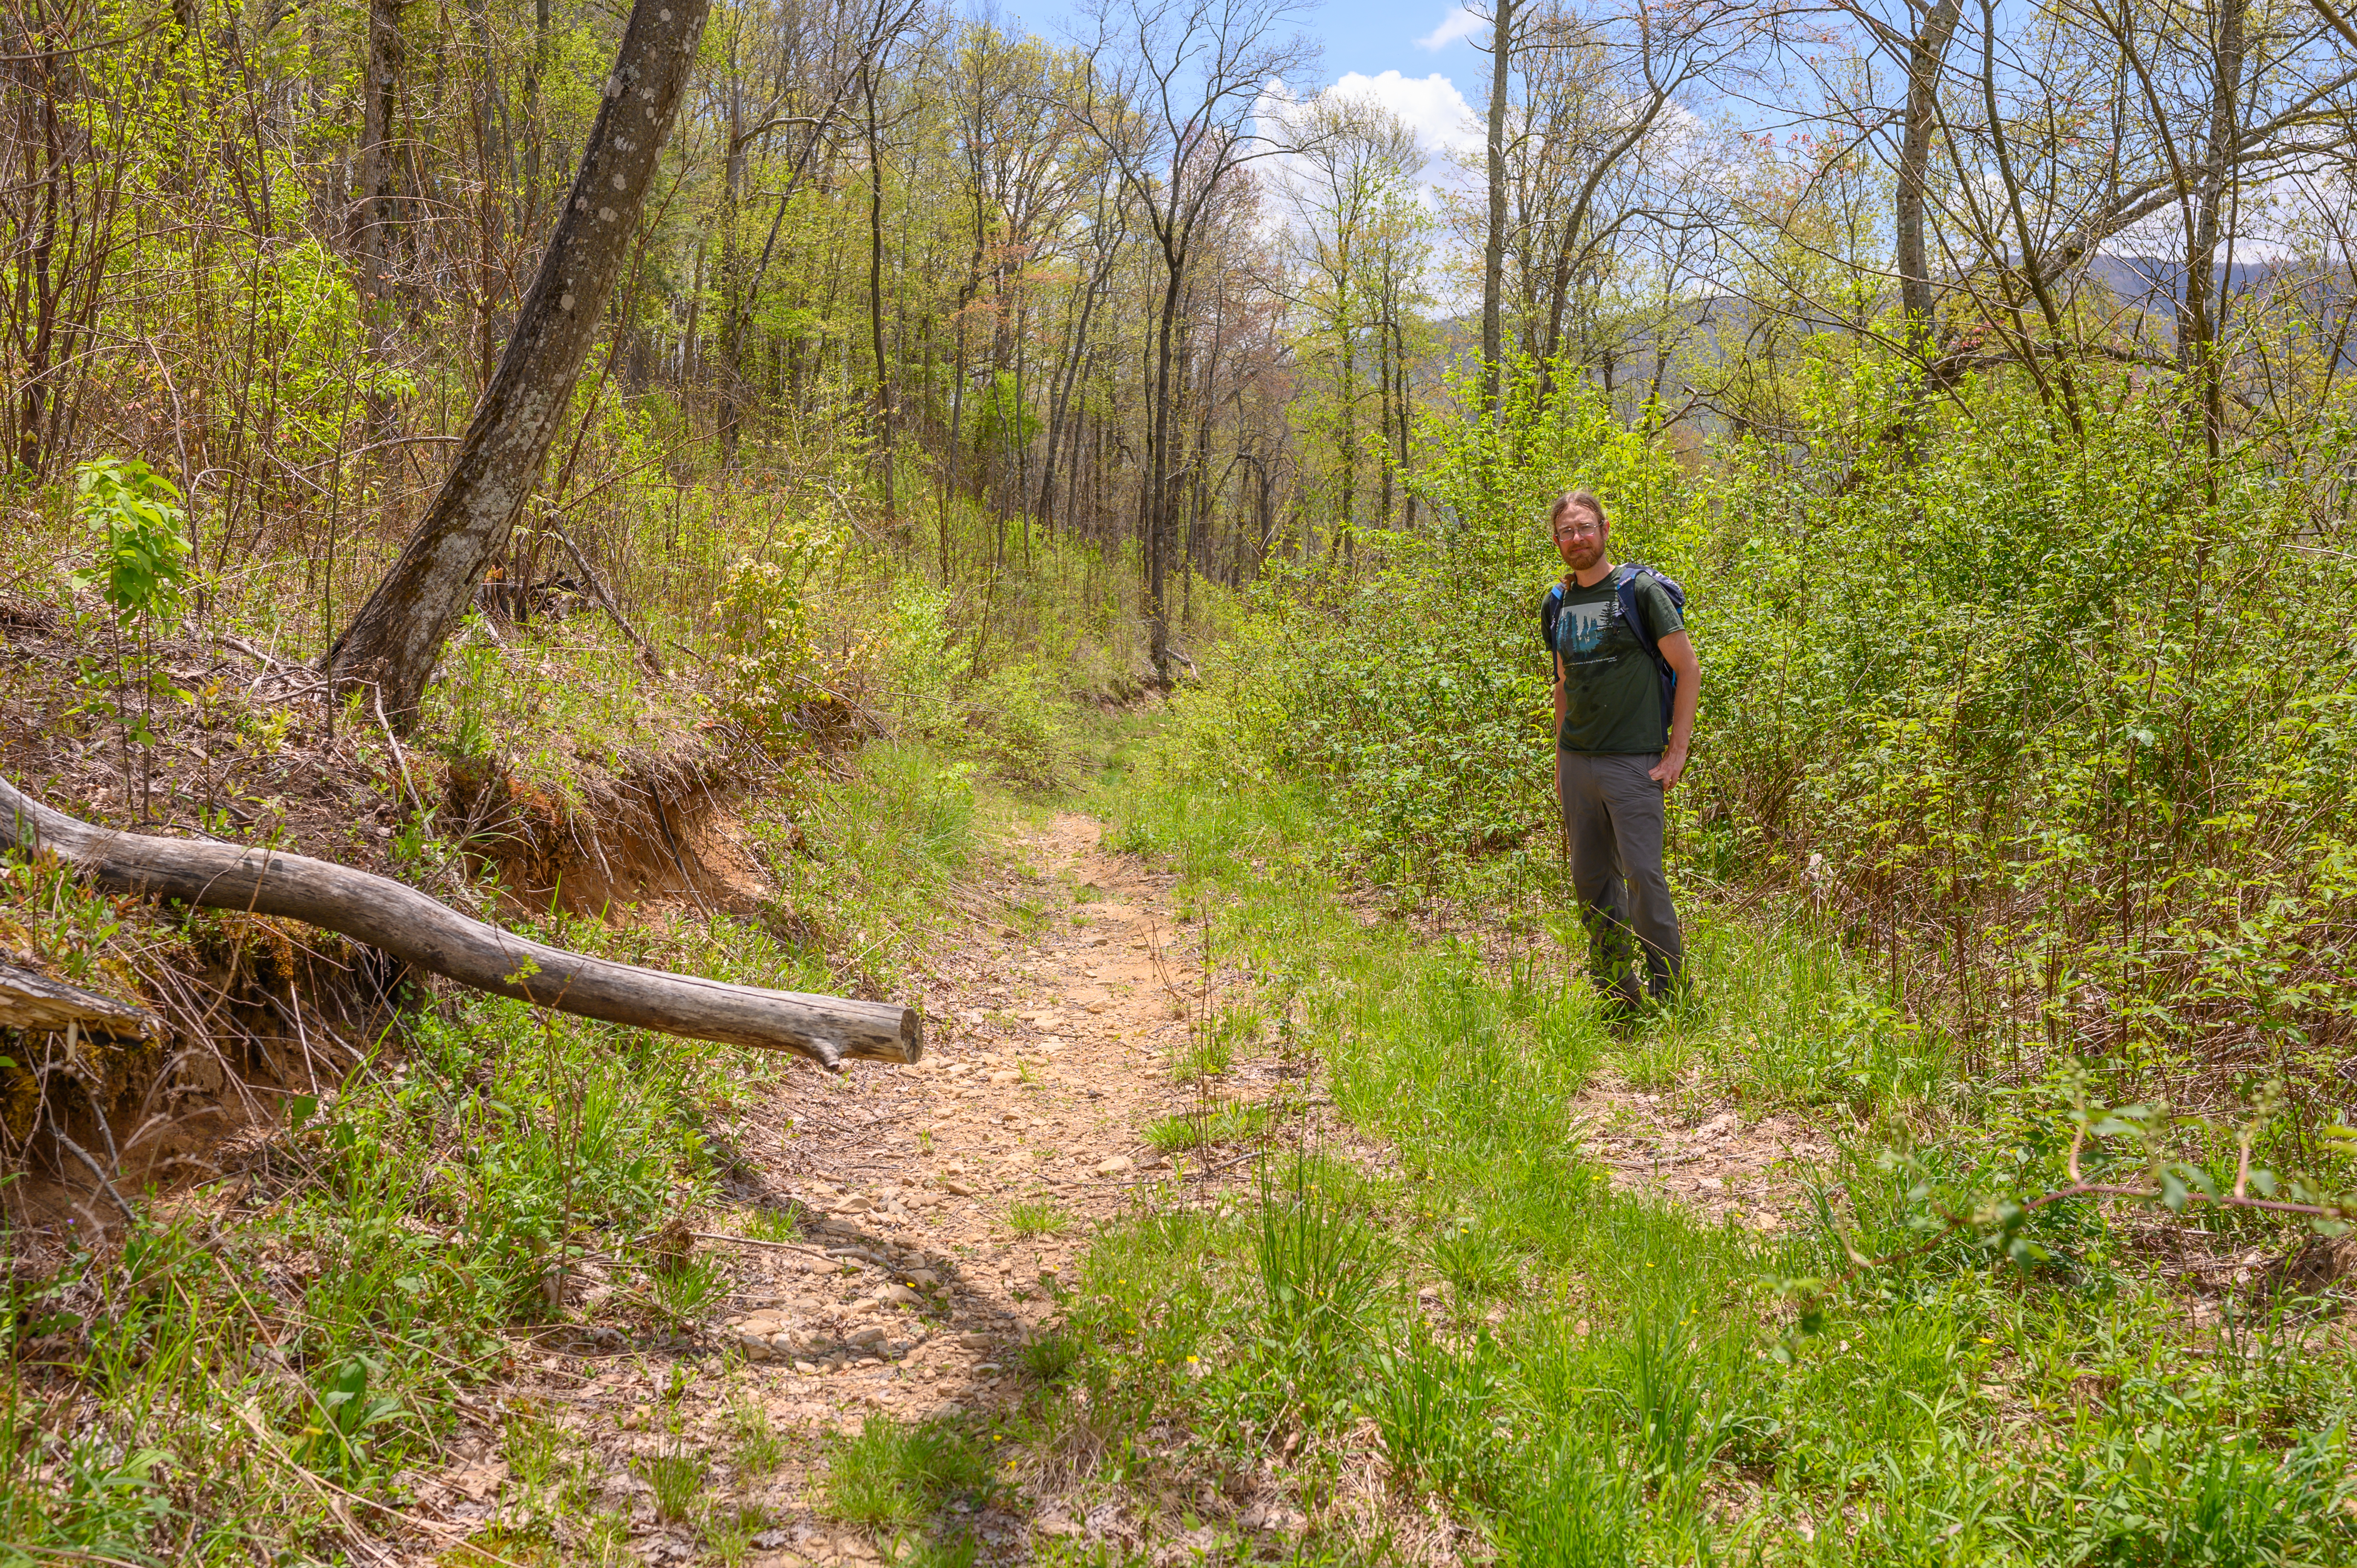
(891, 1476)
(1194, 1129)
(757, 1448)
(1050, 1357)
(1034, 1217)
(678, 1481)
(1474, 1259)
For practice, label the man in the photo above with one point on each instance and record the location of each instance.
(1618, 753)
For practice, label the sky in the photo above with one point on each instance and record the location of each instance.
(1417, 58)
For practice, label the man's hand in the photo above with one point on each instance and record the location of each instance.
(1678, 648)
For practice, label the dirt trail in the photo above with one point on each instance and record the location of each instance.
(908, 1292)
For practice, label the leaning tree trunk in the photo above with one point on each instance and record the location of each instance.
(394, 640)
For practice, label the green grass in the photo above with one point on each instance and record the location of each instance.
(756, 1448)
(891, 1476)
(1203, 1057)
(1214, 1125)
(1034, 1217)
(1607, 1377)
(769, 1223)
(678, 1480)
(1049, 1356)
(728, 1534)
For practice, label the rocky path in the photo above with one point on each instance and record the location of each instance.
(952, 1198)
(898, 1237)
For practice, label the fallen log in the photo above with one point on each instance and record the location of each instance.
(29, 1001)
(428, 935)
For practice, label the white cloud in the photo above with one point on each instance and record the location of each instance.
(1458, 23)
(1431, 105)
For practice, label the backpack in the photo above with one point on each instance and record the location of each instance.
(1625, 578)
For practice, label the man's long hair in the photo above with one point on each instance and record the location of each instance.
(1570, 499)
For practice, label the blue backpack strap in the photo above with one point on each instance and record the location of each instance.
(1634, 610)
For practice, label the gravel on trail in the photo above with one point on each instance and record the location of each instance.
(905, 1291)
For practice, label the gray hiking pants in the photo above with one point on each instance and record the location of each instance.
(1612, 811)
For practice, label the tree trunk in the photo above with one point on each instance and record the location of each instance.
(2202, 305)
(29, 1001)
(1070, 372)
(876, 292)
(398, 634)
(377, 220)
(1927, 57)
(1493, 248)
(1406, 407)
(427, 935)
(729, 413)
(1156, 520)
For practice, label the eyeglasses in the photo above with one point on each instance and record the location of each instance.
(1580, 530)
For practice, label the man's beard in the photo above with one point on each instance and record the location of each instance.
(1581, 560)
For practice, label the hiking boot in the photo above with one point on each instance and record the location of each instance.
(1620, 1008)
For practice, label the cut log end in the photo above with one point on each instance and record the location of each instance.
(30, 1002)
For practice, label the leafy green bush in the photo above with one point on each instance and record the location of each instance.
(769, 666)
(1022, 732)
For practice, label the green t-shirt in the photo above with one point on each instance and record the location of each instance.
(1612, 694)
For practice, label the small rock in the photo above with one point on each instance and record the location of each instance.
(866, 1338)
(1113, 1164)
(901, 1295)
